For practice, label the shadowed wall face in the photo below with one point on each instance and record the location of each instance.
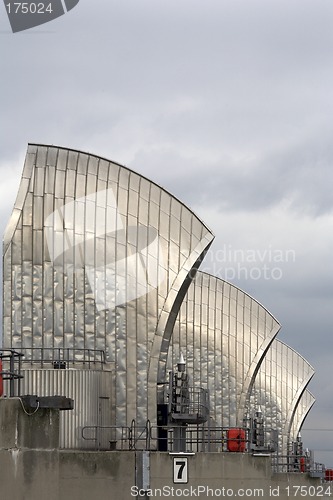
(95, 257)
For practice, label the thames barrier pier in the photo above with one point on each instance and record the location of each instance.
(126, 371)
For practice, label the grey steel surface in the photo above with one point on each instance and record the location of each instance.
(279, 385)
(98, 257)
(92, 392)
(223, 334)
(303, 407)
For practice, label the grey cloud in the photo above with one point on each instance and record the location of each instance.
(301, 176)
(135, 59)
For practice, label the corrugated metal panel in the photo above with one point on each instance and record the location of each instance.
(92, 394)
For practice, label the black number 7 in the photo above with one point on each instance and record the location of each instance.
(181, 468)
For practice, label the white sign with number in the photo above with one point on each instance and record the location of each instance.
(180, 470)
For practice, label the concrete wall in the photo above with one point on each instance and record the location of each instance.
(29, 454)
(226, 475)
(96, 475)
(32, 467)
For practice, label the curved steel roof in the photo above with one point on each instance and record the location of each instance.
(97, 257)
(223, 334)
(280, 383)
(302, 409)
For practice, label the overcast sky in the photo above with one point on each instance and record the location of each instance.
(228, 104)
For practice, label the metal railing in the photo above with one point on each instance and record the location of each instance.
(199, 438)
(11, 362)
(190, 404)
(107, 437)
(118, 437)
(62, 357)
(299, 464)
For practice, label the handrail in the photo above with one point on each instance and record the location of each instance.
(199, 438)
(67, 355)
(12, 374)
(124, 437)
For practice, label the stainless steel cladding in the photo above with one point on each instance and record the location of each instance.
(97, 257)
(304, 405)
(92, 394)
(279, 385)
(223, 333)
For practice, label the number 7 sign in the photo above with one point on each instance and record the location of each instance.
(180, 470)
